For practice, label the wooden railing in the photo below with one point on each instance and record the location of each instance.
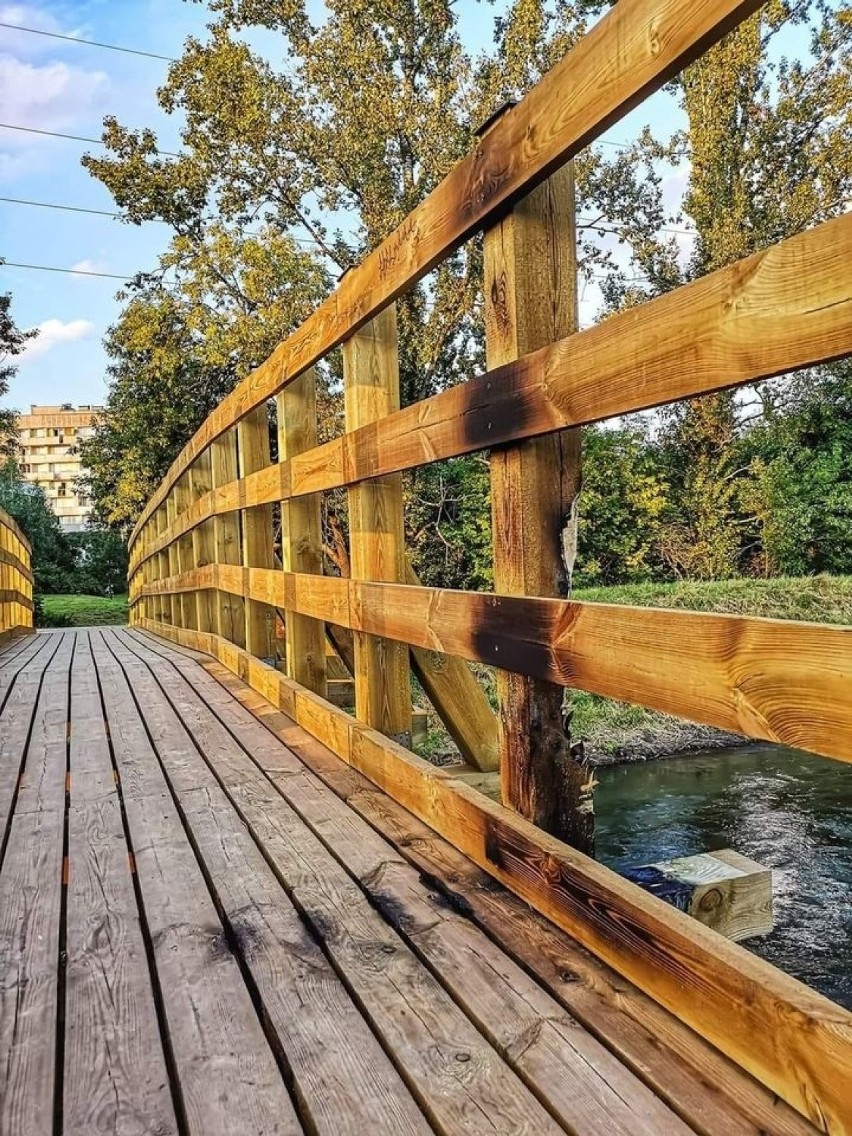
(16, 579)
(204, 569)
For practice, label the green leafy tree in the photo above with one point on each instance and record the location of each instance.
(770, 151)
(53, 557)
(12, 343)
(799, 486)
(100, 562)
(624, 501)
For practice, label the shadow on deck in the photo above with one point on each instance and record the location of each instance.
(209, 924)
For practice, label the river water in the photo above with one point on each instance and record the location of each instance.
(789, 811)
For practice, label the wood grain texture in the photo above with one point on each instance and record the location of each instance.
(794, 1041)
(346, 1082)
(115, 1073)
(376, 529)
(583, 1086)
(632, 51)
(782, 309)
(530, 285)
(778, 680)
(229, 1079)
(301, 532)
(459, 1080)
(30, 910)
(703, 1087)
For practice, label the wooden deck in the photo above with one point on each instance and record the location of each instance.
(209, 924)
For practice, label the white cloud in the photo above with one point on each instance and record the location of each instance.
(54, 332)
(25, 44)
(48, 97)
(87, 265)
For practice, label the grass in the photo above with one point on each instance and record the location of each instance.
(84, 611)
(620, 731)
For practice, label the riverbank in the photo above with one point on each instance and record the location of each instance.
(83, 611)
(615, 732)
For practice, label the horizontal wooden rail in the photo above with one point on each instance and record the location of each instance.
(782, 309)
(632, 51)
(16, 579)
(779, 680)
(793, 1040)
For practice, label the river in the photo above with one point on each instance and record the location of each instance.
(788, 810)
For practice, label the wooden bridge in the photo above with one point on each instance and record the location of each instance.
(229, 905)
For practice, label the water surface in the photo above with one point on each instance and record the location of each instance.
(789, 811)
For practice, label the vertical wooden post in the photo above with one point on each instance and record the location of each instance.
(185, 557)
(301, 532)
(530, 301)
(175, 605)
(229, 611)
(162, 605)
(257, 544)
(201, 482)
(377, 542)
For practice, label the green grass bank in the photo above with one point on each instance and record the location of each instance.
(84, 611)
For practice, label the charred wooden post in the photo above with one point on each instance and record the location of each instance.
(256, 535)
(531, 301)
(376, 536)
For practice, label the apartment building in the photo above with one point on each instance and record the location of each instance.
(49, 457)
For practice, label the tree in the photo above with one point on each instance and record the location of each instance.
(53, 558)
(799, 486)
(12, 343)
(624, 501)
(770, 151)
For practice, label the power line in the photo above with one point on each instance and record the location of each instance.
(72, 137)
(88, 42)
(71, 271)
(56, 205)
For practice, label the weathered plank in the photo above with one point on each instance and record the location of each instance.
(701, 1085)
(457, 1077)
(795, 1042)
(638, 45)
(228, 1076)
(530, 286)
(376, 530)
(30, 912)
(115, 1072)
(344, 1079)
(583, 1086)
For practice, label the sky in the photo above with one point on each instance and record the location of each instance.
(52, 85)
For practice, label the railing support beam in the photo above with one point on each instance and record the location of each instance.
(376, 537)
(531, 301)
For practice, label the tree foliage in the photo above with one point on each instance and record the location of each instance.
(12, 343)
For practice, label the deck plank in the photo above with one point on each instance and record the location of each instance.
(115, 1071)
(587, 1088)
(229, 1078)
(346, 1081)
(697, 1081)
(30, 906)
(457, 1072)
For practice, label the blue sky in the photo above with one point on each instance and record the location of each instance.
(50, 85)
